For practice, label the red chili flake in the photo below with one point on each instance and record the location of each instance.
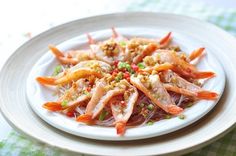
(116, 70)
(70, 114)
(134, 67)
(126, 75)
(88, 89)
(116, 63)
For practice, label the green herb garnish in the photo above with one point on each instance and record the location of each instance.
(57, 70)
(141, 65)
(64, 103)
(103, 115)
(149, 123)
(182, 116)
(150, 107)
(124, 65)
(121, 65)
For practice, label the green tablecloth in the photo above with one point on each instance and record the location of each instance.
(16, 144)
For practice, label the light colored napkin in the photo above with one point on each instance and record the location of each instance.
(16, 144)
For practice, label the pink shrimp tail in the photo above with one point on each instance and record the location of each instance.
(53, 106)
(207, 95)
(120, 128)
(173, 109)
(56, 51)
(85, 118)
(90, 39)
(46, 80)
(203, 75)
(196, 53)
(65, 60)
(165, 40)
(114, 33)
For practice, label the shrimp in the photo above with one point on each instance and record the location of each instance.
(117, 36)
(152, 87)
(180, 66)
(138, 48)
(195, 54)
(72, 57)
(147, 50)
(162, 43)
(93, 64)
(71, 75)
(110, 50)
(122, 112)
(78, 93)
(104, 91)
(157, 68)
(81, 70)
(135, 52)
(177, 84)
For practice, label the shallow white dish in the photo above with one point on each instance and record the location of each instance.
(17, 111)
(38, 94)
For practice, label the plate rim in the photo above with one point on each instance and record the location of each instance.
(9, 119)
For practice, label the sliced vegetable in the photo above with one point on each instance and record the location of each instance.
(141, 65)
(103, 115)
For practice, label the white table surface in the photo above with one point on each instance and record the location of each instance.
(28, 18)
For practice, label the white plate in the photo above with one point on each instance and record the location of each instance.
(220, 120)
(38, 94)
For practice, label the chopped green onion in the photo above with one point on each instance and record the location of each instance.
(128, 67)
(64, 103)
(57, 70)
(103, 115)
(149, 123)
(122, 43)
(141, 65)
(121, 65)
(167, 117)
(124, 65)
(150, 107)
(182, 116)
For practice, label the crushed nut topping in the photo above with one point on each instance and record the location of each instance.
(110, 48)
(148, 60)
